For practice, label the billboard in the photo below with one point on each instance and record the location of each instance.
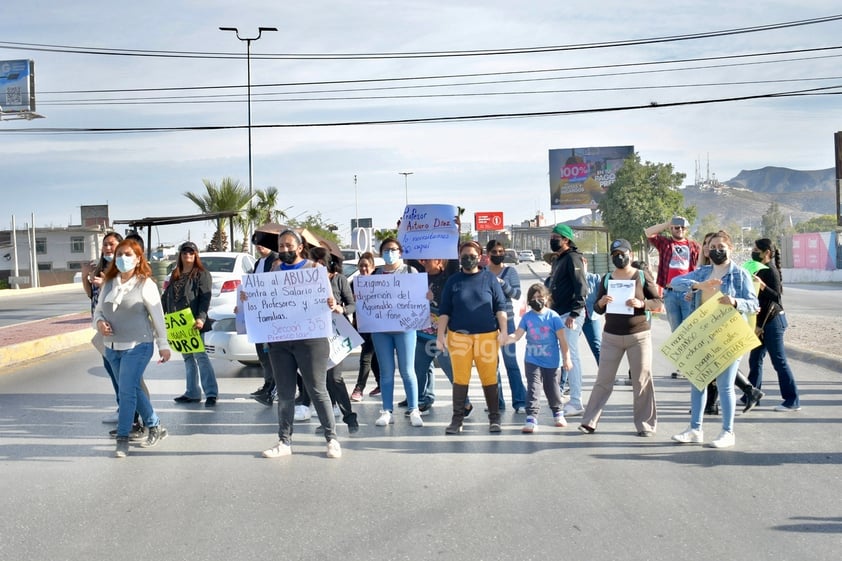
(17, 86)
(488, 221)
(579, 177)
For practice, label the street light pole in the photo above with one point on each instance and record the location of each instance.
(405, 175)
(248, 41)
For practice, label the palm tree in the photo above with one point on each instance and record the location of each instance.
(228, 195)
(260, 212)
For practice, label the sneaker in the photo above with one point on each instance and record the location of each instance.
(725, 439)
(690, 436)
(415, 418)
(585, 429)
(278, 451)
(375, 392)
(211, 402)
(520, 410)
(122, 447)
(112, 418)
(403, 403)
(530, 426)
(333, 449)
(302, 413)
(336, 411)
(784, 409)
(155, 436)
(571, 410)
(559, 419)
(264, 399)
(357, 395)
(138, 432)
(384, 419)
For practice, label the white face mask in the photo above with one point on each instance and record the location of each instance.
(126, 263)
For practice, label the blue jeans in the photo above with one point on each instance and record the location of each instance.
(425, 353)
(113, 378)
(727, 399)
(386, 345)
(513, 373)
(197, 364)
(574, 377)
(128, 366)
(592, 328)
(678, 309)
(773, 343)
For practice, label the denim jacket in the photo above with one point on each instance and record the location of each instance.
(736, 282)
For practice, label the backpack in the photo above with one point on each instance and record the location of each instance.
(607, 277)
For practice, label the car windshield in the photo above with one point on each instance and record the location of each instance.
(219, 264)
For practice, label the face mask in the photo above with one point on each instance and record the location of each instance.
(108, 258)
(497, 259)
(391, 257)
(287, 257)
(536, 305)
(126, 263)
(621, 260)
(718, 256)
(756, 256)
(555, 244)
(469, 262)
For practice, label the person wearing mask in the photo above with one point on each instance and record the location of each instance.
(627, 333)
(191, 286)
(265, 394)
(129, 316)
(472, 327)
(569, 290)
(771, 326)
(732, 286)
(510, 283)
(368, 358)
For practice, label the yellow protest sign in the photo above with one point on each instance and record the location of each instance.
(182, 335)
(705, 343)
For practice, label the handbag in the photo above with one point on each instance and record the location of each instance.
(771, 313)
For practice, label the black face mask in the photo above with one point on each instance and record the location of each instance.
(287, 257)
(718, 256)
(536, 305)
(621, 260)
(469, 262)
(497, 259)
(555, 244)
(756, 256)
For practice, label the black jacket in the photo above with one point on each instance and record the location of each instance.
(198, 290)
(568, 284)
(267, 264)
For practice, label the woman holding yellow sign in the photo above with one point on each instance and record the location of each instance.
(732, 286)
(190, 287)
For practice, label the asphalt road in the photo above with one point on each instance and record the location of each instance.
(408, 493)
(16, 307)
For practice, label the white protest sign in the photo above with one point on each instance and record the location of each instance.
(620, 291)
(287, 305)
(429, 232)
(343, 340)
(391, 302)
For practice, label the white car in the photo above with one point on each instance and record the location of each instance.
(526, 255)
(223, 342)
(227, 270)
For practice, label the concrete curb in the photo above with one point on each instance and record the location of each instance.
(17, 354)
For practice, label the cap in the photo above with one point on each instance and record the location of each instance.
(564, 231)
(621, 245)
(188, 245)
(679, 221)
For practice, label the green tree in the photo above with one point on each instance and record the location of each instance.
(643, 194)
(823, 223)
(773, 223)
(708, 223)
(316, 224)
(229, 195)
(259, 212)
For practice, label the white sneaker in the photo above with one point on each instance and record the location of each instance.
(302, 413)
(278, 451)
(336, 411)
(571, 410)
(559, 419)
(520, 411)
(112, 418)
(384, 419)
(333, 449)
(779, 408)
(726, 439)
(530, 426)
(415, 418)
(690, 436)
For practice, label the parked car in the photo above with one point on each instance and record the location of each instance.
(349, 267)
(223, 342)
(526, 255)
(227, 270)
(511, 257)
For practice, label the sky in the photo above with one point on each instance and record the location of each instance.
(303, 144)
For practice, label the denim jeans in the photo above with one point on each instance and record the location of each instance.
(773, 343)
(513, 373)
(678, 309)
(199, 364)
(592, 328)
(386, 345)
(574, 377)
(113, 378)
(425, 353)
(128, 367)
(727, 399)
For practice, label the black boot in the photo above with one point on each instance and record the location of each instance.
(493, 404)
(711, 406)
(460, 393)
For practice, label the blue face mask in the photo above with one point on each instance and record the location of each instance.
(126, 263)
(108, 258)
(392, 256)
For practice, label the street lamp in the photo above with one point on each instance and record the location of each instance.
(248, 41)
(405, 175)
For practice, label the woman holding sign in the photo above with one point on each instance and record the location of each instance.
(129, 317)
(732, 286)
(190, 287)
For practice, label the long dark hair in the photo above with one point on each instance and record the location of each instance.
(195, 271)
(102, 264)
(765, 244)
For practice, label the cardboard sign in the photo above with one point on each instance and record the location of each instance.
(392, 302)
(708, 341)
(182, 334)
(287, 305)
(344, 340)
(429, 232)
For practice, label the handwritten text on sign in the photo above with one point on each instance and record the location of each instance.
(287, 305)
(182, 336)
(429, 232)
(708, 341)
(393, 302)
(343, 340)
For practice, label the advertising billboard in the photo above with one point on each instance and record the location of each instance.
(484, 221)
(579, 177)
(17, 86)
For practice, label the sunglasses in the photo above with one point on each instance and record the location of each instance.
(187, 250)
